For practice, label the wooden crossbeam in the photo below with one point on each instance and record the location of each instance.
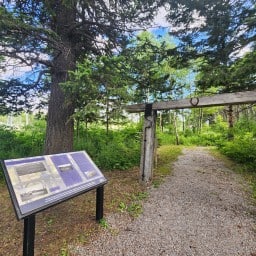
(209, 101)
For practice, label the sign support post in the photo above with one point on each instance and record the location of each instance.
(29, 235)
(99, 203)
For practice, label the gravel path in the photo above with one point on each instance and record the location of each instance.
(201, 209)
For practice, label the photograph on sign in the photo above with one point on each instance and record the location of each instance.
(37, 182)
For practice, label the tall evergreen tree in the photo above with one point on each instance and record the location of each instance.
(55, 35)
(218, 31)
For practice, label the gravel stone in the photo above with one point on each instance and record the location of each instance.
(202, 209)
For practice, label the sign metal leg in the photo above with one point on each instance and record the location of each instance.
(99, 203)
(29, 236)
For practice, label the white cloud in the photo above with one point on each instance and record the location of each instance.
(241, 52)
(160, 19)
(198, 21)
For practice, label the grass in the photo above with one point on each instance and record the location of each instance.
(166, 155)
(73, 222)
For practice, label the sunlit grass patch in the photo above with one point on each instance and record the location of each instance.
(166, 156)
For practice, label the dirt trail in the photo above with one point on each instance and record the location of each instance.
(202, 209)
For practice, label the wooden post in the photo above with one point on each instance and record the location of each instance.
(148, 146)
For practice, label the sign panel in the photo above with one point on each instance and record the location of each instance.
(36, 183)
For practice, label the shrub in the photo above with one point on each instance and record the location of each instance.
(242, 150)
(16, 143)
(119, 149)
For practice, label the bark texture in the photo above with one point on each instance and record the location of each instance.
(60, 123)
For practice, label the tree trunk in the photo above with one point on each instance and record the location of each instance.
(77, 127)
(230, 117)
(60, 123)
(200, 120)
(176, 128)
(183, 121)
(161, 121)
(230, 122)
(107, 115)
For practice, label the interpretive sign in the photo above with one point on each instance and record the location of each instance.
(36, 183)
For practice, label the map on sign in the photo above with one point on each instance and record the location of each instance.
(36, 183)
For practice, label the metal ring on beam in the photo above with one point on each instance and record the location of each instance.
(194, 101)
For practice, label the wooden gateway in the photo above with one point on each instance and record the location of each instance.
(149, 128)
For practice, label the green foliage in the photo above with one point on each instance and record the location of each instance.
(165, 138)
(103, 223)
(99, 88)
(242, 72)
(134, 208)
(245, 125)
(119, 149)
(21, 143)
(64, 249)
(206, 138)
(122, 206)
(150, 70)
(242, 149)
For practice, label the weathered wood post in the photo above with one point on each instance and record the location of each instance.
(148, 145)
